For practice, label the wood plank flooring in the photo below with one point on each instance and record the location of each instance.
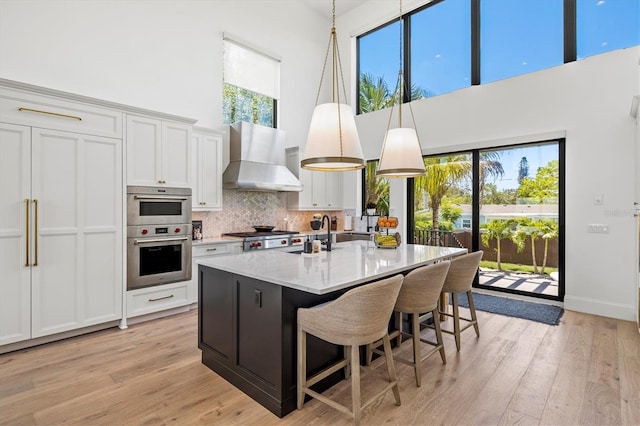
(584, 371)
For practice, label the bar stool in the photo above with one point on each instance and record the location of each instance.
(358, 317)
(459, 279)
(419, 294)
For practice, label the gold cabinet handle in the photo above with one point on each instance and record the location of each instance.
(26, 229)
(57, 114)
(35, 231)
(161, 298)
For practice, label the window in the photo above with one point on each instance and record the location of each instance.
(519, 37)
(376, 190)
(378, 66)
(251, 84)
(466, 223)
(441, 48)
(603, 25)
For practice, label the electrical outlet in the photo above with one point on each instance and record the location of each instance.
(598, 228)
(598, 199)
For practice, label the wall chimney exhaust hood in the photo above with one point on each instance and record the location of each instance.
(257, 160)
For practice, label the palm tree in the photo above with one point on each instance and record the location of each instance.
(442, 174)
(377, 188)
(550, 230)
(374, 93)
(531, 228)
(496, 230)
(489, 166)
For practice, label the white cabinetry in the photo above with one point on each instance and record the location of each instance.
(205, 250)
(322, 190)
(157, 298)
(61, 205)
(158, 152)
(207, 170)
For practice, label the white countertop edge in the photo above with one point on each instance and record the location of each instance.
(230, 264)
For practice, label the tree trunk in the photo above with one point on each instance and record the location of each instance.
(533, 254)
(544, 258)
(498, 254)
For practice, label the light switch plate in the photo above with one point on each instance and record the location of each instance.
(598, 228)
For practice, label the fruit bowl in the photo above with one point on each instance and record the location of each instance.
(387, 241)
(387, 222)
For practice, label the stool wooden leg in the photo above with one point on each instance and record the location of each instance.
(456, 321)
(302, 366)
(440, 342)
(355, 383)
(391, 368)
(415, 324)
(347, 356)
(399, 328)
(472, 309)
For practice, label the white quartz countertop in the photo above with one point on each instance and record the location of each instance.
(349, 263)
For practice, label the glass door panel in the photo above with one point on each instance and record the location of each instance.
(519, 219)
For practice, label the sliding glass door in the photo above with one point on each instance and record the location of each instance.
(506, 201)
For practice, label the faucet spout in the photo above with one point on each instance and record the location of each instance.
(328, 243)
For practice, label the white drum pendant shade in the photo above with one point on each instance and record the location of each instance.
(333, 143)
(401, 154)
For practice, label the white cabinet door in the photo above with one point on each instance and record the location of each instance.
(208, 250)
(15, 272)
(144, 151)
(176, 155)
(77, 229)
(333, 190)
(207, 171)
(158, 152)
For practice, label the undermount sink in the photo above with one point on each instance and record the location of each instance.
(323, 249)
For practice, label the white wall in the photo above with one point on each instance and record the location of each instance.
(589, 102)
(162, 55)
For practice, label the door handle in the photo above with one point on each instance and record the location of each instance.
(26, 231)
(35, 231)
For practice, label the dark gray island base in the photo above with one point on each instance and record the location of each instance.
(247, 326)
(247, 334)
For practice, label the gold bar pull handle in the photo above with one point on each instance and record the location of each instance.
(26, 231)
(57, 114)
(35, 232)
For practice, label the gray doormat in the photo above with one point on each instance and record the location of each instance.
(539, 312)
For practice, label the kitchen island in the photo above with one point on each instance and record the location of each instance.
(248, 302)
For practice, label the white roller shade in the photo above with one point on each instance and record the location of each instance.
(251, 69)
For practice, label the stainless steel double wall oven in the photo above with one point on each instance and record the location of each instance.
(158, 236)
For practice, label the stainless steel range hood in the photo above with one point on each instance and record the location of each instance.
(257, 160)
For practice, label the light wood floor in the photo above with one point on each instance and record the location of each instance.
(584, 371)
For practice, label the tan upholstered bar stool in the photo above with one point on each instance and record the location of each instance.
(358, 317)
(459, 279)
(419, 294)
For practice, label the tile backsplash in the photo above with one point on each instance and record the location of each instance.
(243, 209)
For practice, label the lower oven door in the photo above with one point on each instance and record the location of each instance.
(154, 261)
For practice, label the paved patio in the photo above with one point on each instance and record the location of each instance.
(521, 282)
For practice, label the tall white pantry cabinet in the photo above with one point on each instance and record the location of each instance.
(61, 204)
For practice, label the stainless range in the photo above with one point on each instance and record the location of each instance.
(268, 240)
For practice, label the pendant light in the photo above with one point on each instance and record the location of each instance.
(401, 154)
(333, 143)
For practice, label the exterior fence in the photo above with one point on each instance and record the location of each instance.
(508, 250)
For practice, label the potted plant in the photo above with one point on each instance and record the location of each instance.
(371, 207)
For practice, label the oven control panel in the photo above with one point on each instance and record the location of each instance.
(158, 230)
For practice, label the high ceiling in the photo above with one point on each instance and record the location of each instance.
(324, 6)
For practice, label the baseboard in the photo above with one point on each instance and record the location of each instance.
(619, 311)
(55, 337)
(155, 315)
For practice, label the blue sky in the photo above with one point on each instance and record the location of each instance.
(537, 156)
(517, 36)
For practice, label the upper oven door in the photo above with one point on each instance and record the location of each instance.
(158, 206)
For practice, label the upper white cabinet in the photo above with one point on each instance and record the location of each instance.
(158, 152)
(322, 190)
(206, 169)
